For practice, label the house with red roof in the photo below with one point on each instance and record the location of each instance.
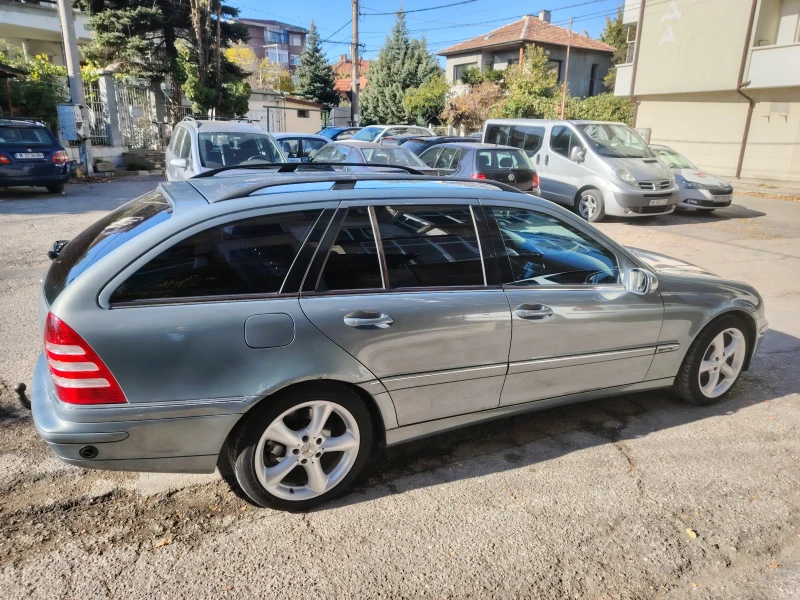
(343, 71)
(589, 59)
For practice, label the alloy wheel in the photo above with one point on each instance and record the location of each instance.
(587, 206)
(307, 450)
(722, 362)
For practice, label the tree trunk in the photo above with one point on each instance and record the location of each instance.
(218, 67)
(199, 33)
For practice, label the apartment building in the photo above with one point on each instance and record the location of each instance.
(589, 59)
(280, 42)
(719, 80)
(35, 28)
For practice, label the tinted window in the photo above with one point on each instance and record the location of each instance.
(559, 140)
(107, 234)
(352, 263)
(544, 250)
(29, 136)
(526, 137)
(416, 146)
(251, 256)
(448, 159)
(391, 156)
(429, 156)
(503, 159)
(430, 246)
(223, 148)
(290, 147)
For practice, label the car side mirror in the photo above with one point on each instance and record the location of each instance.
(178, 163)
(577, 154)
(641, 282)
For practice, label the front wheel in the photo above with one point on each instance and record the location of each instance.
(303, 448)
(589, 206)
(714, 362)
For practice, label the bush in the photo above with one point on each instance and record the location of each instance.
(606, 107)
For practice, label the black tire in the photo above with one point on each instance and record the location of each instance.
(243, 446)
(55, 188)
(599, 213)
(687, 382)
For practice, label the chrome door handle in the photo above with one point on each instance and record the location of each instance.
(368, 319)
(534, 312)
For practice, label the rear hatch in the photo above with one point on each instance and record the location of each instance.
(30, 151)
(509, 166)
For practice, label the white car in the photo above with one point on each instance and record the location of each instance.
(375, 133)
(199, 145)
(698, 189)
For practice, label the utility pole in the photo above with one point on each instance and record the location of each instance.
(566, 73)
(72, 59)
(355, 117)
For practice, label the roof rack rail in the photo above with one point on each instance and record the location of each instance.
(23, 119)
(310, 166)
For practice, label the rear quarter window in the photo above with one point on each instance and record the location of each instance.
(107, 234)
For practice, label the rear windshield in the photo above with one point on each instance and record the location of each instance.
(110, 232)
(28, 136)
(392, 156)
(503, 159)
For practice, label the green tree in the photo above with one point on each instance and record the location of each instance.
(533, 89)
(37, 93)
(606, 107)
(469, 111)
(315, 78)
(615, 34)
(427, 101)
(402, 64)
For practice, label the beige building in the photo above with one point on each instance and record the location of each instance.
(719, 80)
(278, 113)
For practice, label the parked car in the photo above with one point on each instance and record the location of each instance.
(374, 133)
(31, 155)
(484, 161)
(596, 168)
(698, 189)
(297, 147)
(200, 145)
(382, 157)
(418, 144)
(288, 325)
(339, 133)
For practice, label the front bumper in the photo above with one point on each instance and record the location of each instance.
(631, 203)
(174, 443)
(691, 198)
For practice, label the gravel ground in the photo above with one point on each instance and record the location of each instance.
(638, 496)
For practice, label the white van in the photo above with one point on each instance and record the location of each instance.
(596, 167)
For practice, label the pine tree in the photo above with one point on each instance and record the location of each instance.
(402, 64)
(315, 79)
(615, 34)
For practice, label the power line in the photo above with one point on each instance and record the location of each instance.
(327, 40)
(377, 14)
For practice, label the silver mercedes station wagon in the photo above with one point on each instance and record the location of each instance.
(287, 325)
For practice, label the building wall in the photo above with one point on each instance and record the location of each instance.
(38, 27)
(295, 123)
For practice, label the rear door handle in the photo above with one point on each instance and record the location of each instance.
(534, 312)
(368, 319)
(547, 159)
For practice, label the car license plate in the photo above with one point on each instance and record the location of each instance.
(658, 202)
(29, 155)
(723, 198)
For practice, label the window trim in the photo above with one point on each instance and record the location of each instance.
(111, 285)
(505, 265)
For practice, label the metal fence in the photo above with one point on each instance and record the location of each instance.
(99, 122)
(137, 123)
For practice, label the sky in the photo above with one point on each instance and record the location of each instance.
(442, 27)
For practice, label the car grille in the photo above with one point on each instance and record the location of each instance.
(651, 210)
(721, 191)
(654, 185)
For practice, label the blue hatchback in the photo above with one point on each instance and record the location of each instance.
(31, 155)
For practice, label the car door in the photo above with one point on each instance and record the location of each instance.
(430, 155)
(291, 148)
(173, 152)
(561, 177)
(447, 161)
(575, 326)
(403, 288)
(309, 146)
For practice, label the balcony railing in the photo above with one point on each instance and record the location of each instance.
(774, 66)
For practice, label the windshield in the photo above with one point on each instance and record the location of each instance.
(615, 141)
(368, 134)
(674, 160)
(392, 156)
(503, 159)
(223, 148)
(28, 136)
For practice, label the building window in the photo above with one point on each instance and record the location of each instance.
(555, 65)
(294, 59)
(295, 40)
(592, 80)
(458, 71)
(277, 56)
(302, 114)
(276, 37)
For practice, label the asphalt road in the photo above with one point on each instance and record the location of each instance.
(639, 496)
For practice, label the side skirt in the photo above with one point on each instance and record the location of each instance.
(416, 431)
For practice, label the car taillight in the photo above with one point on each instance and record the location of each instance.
(4, 160)
(477, 176)
(80, 377)
(59, 157)
(535, 180)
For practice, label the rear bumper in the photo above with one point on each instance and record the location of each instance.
(172, 443)
(37, 180)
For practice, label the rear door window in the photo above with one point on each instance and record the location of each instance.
(525, 137)
(352, 262)
(106, 235)
(448, 159)
(249, 256)
(503, 159)
(311, 144)
(429, 156)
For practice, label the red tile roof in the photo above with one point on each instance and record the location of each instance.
(529, 29)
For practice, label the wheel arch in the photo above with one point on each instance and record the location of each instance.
(751, 331)
(582, 189)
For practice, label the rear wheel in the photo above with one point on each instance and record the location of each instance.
(55, 188)
(303, 448)
(714, 362)
(589, 205)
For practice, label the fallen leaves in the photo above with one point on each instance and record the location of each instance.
(691, 532)
(164, 542)
(774, 566)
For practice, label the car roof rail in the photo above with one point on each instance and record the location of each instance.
(292, 167)
(22, 119)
